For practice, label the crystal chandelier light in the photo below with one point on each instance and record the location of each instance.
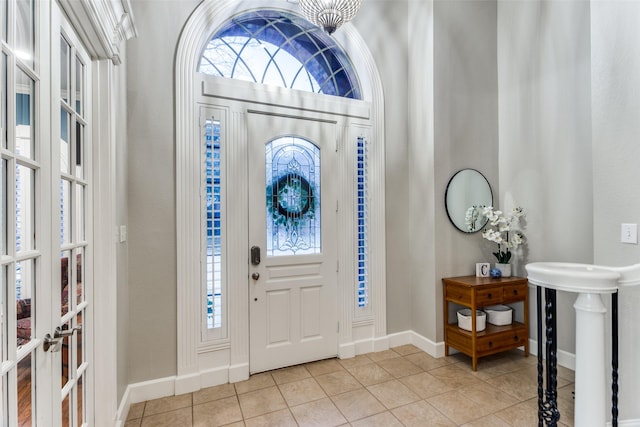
(329, 14)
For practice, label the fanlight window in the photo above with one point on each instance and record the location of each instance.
(282, 49)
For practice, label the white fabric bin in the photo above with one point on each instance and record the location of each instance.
(464, 319)
(499, 315)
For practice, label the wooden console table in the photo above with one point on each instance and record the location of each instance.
(477, 292)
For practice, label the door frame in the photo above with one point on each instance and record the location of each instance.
(360, 331)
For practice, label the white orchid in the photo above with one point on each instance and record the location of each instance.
(504, 232)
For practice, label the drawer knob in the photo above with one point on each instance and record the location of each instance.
(489, 295)
(515, 292)
(490, 343)
(515, 338)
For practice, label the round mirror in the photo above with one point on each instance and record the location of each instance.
(467, 193)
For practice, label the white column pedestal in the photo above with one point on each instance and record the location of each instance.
(590, 384)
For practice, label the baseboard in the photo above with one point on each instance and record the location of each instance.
(626, 423)
(170, 386)
(565, 359)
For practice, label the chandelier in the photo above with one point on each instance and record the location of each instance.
(329, 14)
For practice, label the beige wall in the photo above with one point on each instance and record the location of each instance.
(545, 134)
(151, 188)
(615, 88)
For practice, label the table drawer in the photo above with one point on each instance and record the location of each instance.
(498, 342)
(459, 294)
(490, 296)
(514, 292)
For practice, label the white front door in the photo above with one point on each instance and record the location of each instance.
(292, 240)
(45, 203)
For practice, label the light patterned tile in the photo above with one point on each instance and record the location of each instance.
(320, 413)
(488, 421)
(133, 423)
(136, 411)
(407, 349)
(419, 414)
(255, 382)
(427, 362)
(303, 391)
(177, 418)
(426, 385)
(385, 419)
(359, 360)
(470, 403)
(213, 393)
(287, 375)
(217, 413)
(338, 382)
(399, 367)
(382, 355)
(455, 376)
(261, 402)
(519, 384)
(282, 418)
(370, 374)
(524, 414)
(324, 367)
(166, 404)
(357, 404)
(393, 394)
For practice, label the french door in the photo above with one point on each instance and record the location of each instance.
(292, 239)
(46, 198)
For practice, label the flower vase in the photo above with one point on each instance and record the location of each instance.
(505, 269)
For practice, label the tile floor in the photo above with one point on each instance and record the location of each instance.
(399, 387)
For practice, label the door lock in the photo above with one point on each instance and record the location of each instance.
(54, 343)
(255, 255)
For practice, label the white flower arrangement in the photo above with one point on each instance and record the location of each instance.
(504, 231)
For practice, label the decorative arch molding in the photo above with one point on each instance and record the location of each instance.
(191, 375)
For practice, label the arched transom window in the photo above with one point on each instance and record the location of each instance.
(282, 49)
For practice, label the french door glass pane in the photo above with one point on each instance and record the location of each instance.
(79, 147)
(3, 201)
(65, 153)
(66, 411)
(25, 35)
(79, 86)
(25, 209)
(3, 300)
(65, 211)
(25, 301)
(25, 124)
(293, 197)
(65, 69)
(25, 391)
(65, 359)
(79, 275)
(65, 272)
(79, 345)
(78, 232)
(3, 11)
(3, 98)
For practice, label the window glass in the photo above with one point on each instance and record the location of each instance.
(213, 229)
(79, 95)
(65, 71)
(24, 46)
(293, 197)
(3, 100)
(24, 115)
(282, 49)
(25, 209)
(362, 224)
(65, 153)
